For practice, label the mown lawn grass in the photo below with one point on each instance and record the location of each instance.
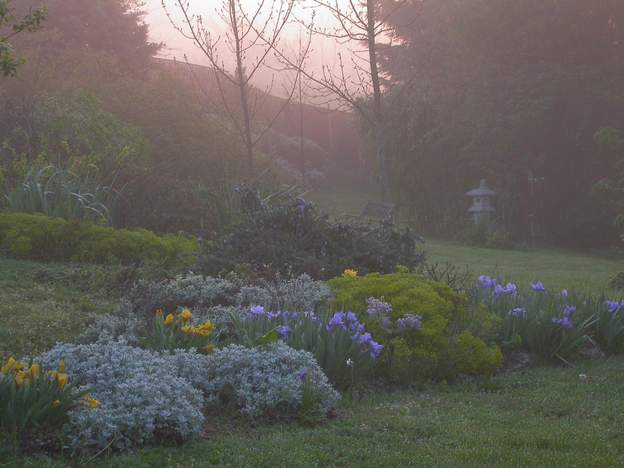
(539, 417)
(555, 268)
(44, 303)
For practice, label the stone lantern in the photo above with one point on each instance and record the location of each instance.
(482, 209)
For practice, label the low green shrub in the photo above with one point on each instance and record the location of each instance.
(295, 238)
(38, 237)
(425, 327)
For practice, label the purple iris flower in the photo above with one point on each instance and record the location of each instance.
(256, 311)
(499, 290)
(538, 286)
(410, 321)
(351, 317)
(569, 311)
(364, 339)
(375, 349)
(564, 293)
(377, 307)
(564, 322)
(274, 315)
(518, 312)
(303, 373)
(511, 289)
(338, 320)
(487, 282)
(284, 332)
(615, 306)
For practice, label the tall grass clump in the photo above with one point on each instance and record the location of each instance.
(61, 194)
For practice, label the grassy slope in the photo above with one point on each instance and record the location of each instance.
(44, 303)
(542, 417)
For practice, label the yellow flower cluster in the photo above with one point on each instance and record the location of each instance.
(348, 273)
(19, 371)
(200, 330)
(23, 375)
(92, 402)
(185, 316)
(60, 376)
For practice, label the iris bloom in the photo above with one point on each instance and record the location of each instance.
(511, 289)
(615, 306)
(564, 322)
(284, 332)
(486, 282)
(256, 311)
(518, 312)
(410, 321)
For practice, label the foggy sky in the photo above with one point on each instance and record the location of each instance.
(324, 50)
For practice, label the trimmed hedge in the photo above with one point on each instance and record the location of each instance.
(41, 238)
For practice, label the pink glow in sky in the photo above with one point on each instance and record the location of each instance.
(324, 50)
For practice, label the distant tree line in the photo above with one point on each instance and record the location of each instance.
(90, 98)
(514, 91)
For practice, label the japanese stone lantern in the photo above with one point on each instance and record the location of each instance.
(482, 210)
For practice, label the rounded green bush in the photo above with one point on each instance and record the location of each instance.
(452, 337)
(39, 237)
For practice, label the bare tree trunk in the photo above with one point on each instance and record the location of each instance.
(242, 87)
(378, 116)
(257, 31)
(301, 138)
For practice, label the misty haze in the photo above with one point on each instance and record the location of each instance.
(311, 233)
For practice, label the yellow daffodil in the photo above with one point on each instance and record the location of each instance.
(56, 403)
(92, 402)
(8, 366)
(62, 366)
(209, 348)
(186, 329)
(202, 330)
(186, 315)
(20, 378)
(169, 320)
(348, 273)
(19, 366)
(34, 370)
(62, 379)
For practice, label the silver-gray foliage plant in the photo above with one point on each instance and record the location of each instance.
(142, 397)
(301, 293)
(266, 380)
